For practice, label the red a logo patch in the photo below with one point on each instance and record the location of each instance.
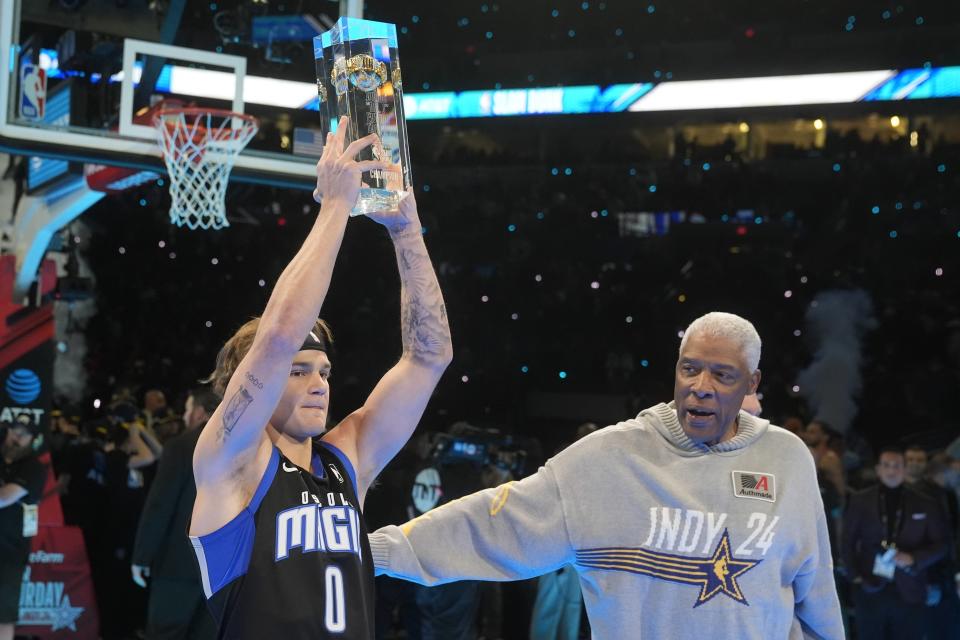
(755, 484)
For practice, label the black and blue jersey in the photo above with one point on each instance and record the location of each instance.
(296, 562)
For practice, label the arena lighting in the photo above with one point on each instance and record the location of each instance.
(823, 88)
(818, 124)
(894, 121)
(258, 89)
(772, 91)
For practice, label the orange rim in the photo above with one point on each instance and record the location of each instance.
(162, 118)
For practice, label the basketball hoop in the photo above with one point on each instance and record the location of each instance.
(199, 147)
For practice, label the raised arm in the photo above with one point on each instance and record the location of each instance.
(231, 438)
(373, 434)
(142, 454)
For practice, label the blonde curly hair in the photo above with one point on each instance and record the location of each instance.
(236, 348)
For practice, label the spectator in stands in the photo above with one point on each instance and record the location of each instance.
(176, 607)
(892, 535)
(915, 468)
(64, 434)
(822, 440)
(69, 450)
(941, 473)
(116, 487)
(942, 619)
(22, 477)
(168, 427)
(793, 424)
(155, 408)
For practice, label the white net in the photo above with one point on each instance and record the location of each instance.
(199, 148)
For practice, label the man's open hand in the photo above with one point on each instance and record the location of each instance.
(338, 170)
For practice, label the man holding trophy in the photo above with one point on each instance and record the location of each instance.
(277, 525)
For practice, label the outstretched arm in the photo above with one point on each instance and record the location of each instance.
(512, 532)
(373, 434)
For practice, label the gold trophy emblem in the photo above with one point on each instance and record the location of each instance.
(366, 73)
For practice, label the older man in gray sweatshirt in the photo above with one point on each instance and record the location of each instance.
(692, 520)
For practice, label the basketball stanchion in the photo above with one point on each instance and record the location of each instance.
(199, 147)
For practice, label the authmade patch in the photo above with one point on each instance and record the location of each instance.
(754, 484)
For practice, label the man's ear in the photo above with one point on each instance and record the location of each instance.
(754, 382)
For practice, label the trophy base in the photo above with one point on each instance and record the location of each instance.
(375, 200)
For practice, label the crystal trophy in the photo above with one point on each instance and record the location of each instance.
(358, 75)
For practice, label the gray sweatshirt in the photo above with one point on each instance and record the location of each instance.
(671, 539)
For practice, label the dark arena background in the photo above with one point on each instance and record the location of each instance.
(591, 177)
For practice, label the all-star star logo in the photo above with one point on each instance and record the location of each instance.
(722, 571)
(715, 574)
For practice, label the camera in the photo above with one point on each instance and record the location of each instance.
(484, 447)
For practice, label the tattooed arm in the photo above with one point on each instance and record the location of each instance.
(233, 450)
(373, 434)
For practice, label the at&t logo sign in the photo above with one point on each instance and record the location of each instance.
(23, 386)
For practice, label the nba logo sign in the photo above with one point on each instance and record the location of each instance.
(33, 92)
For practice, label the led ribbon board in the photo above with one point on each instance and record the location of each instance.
(677, 95)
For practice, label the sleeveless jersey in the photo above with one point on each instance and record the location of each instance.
(296, 562)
